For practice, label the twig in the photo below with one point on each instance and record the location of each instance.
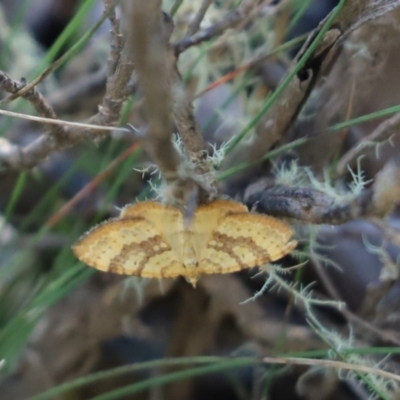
(256, 62)
(315, 207)
(357, 12)
(147, 42)
(66, 56)
(331, 364)
(60, 122)
(33, 96)
(20, 158)
(383, 133)
(198, 18)
(231, 19)
(389, 232)
(36, 99)
(117, 40)
(344, 310)
(163, 89)
(273, 121)
(192, 138)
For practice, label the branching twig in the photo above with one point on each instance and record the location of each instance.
(117, 40)
(357, 12)
(191, 135)
(33, 96)
(363, 325)
(59, 61)
(163, 89)
(195, 24)
(383, 133)
(274, 120)
(19, 158)
(37, 100)
(332, 364)
(147, 42)
(231, 19)
(278, 118)
(315, 207)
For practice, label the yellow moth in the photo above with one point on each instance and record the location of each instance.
(150, 240)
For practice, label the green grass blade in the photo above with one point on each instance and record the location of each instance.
(185, 361)
(271, 100)
(126, 369)
(172, 377)
(175, 7)
(15, 195)
(68, 32)
(365, 118)
(271, 154)
(14, 335)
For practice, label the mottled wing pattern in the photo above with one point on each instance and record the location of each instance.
(149, 240)
(245, 240)
(132, 244)
(166, 219)
(206, 220)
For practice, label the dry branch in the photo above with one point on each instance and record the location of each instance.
(308, 205)
(274, 126)
(14, 157)
(357, 12)
(232, 19)
(276, 122)
(147, 43)
(198, 18)
(148, 33)
(37, 100)
(315, 207)
(369, 144)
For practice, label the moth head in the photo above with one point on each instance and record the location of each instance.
(192, 280)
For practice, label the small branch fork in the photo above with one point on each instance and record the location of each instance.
(382, 134)
(146, 46)
(274, 126)
(147, 34)
(231, 20)
(120, 68)
(13, 157)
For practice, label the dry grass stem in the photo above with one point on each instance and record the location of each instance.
(332, 364)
